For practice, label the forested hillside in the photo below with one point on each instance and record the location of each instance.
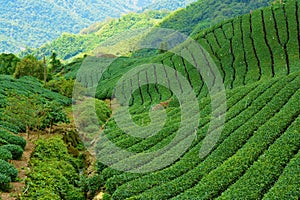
(109, 31)
(28, 23)
(168, 4)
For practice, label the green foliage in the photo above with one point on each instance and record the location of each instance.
(206, 13)
(51, 114)
(8, 63)
(61, 86)
(4, 182)
(168, 5)
(100, 37)
(5, 154)
(91, 114)
(53, 169)
(106, 196)
(55, 64)
(24, 110)
(287, 185)
(12, 139)
(8, 170)
(29, 66)
(15, 150)
(91, 184)
(55, 18)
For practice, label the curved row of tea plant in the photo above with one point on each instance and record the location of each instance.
(244, 124)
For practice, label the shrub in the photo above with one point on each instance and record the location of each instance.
(53, 167)
(3, 142)
(5, 154)
(12, 139)
(8, 170)
(4, 182)
(15, 150)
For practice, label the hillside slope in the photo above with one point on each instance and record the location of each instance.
(205, 13)
(16, 99)
(69, 45)
(257, 153)
(168, 4)
(117, 32)
(28, 23)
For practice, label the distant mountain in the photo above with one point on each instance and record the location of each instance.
(168, 4)
(30, 23)
(189, 20)
(110, 31)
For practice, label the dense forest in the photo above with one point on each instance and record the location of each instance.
(214, 116)
(47, 20)
(112, 32)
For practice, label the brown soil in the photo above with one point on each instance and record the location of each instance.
(23, 168)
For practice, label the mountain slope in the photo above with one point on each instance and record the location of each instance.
(70, 45)
(195, 17)
(28, 23)
(257, 152)
(205, 13)
(168, 4)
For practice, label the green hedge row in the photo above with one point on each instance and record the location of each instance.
(251, 47)
(8, 170)
(219, 179)
(229, 127)
(12, 139)
(54, 173)
(266, 170)
(287, 185)
(5, 154)
(15, 150)
(203, 113)
(236, 104)
(238, 135)
(4, 182)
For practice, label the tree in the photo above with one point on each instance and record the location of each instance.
(8, 63)
(55, 63)
(29, 66)
(52, 114)
(61, 86)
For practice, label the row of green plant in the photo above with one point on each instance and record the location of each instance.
(216, 181)
(232, 103)
(25, 105)
(265, 171)
(262, 44)
(204, 112)
(238, 127)
(237, 97)
(290, 175)
(235, 45)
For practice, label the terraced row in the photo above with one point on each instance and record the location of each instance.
(259, 45)
(247, 128)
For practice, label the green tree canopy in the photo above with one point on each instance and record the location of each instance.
(55, 63)
(30, 66)
(8, 63)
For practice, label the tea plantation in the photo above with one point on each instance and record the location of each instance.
(244, 137)
(12, 145)
(257, 153)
